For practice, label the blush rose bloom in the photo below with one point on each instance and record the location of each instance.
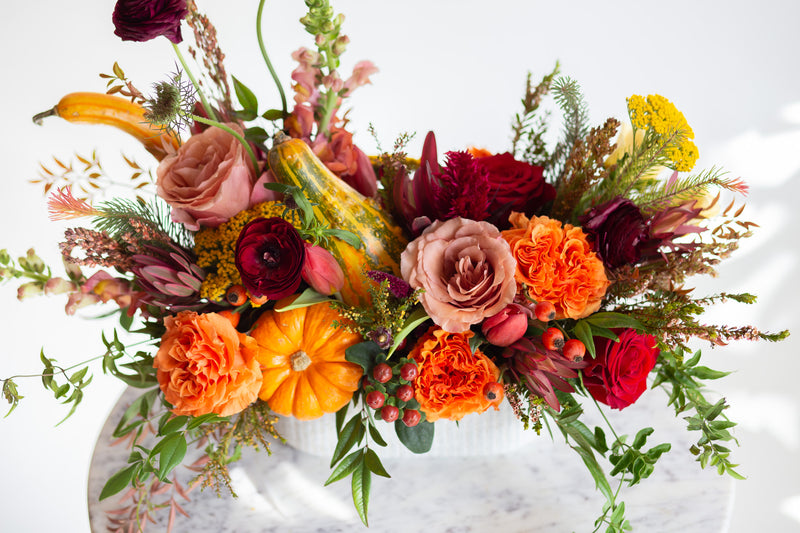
(617, 376)
(209, 180)
(466, 270)
(452, 379)
(205, 366)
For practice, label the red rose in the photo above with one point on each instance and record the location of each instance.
(269, 257)
(617, 376)
(515, 185)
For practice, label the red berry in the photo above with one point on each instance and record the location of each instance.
(389, 413)
(493, 392)
(375, 399)
(404, 393)
(553, 339)
(236, 295)
(545, 311)
(382, 373)
(409, 372)
(574, 350)
(411, 417)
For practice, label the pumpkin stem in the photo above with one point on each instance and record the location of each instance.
(300, 361)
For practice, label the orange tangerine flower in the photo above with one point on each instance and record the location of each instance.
(556, 263)
(451, 377)
(205, 366)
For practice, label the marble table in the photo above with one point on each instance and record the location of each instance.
(542, 487)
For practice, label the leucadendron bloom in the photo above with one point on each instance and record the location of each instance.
(466, 270)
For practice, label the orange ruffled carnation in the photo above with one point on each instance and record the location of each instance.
(451, 378)
(556, 264)
(205, 366)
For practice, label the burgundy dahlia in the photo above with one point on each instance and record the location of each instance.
(618, 231)
(142, 20)
(269, 256)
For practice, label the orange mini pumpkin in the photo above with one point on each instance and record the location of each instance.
(302, 361)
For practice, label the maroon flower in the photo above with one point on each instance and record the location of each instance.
(617, 376)
(142, 20)
(514, 185)
(618, 232)
(269, 256)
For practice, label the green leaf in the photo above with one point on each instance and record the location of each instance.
(125, 320)
(273, 114)
(599, 331)
(600, 440)
(376, 435)
(210, 418)
(597, 473)
(641, 438)
(418, 439)
(172, 425)
(372, 462)
(246, 97)
(362, 479)
(347, 236)
(346, 467)
(256, 134)
(119, 481)
(307, 298)
(614, 320)
(340, 416)
(583, 332)
(623, 462)
(703, 372)
(414, 319)
(347, 439)
(171, 451)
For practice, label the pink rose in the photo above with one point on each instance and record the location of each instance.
(466, 270)
(208, 181)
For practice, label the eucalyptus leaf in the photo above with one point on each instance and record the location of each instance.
(418, 439)
(364, 354)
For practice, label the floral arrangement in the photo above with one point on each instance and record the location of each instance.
(274, 268)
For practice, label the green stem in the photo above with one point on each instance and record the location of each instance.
(266, 58)
(233, 132)
(330, 97)
(206, 106)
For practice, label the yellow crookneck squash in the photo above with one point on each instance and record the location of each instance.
(302, 361)
(342, 207)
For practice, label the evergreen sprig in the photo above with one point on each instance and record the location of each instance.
(528, 125)
(120, 214)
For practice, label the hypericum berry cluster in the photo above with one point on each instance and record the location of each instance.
(553, 337)
(391, 391)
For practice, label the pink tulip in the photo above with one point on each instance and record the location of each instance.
(506, 327)
(322, 271)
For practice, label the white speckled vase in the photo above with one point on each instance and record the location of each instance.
(489, 433)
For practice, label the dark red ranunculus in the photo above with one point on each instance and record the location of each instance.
(269, 256)
(515, 185)
(617, 376)
(142, 20)
(618, 231)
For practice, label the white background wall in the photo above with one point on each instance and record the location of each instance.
(457, 67)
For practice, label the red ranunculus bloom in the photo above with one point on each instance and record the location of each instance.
(514, 186)
(618, 231)
(269, 256)
(142, 20)
(617, 376)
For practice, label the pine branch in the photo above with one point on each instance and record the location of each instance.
(524, 125)
(677, 191)
(122, 216)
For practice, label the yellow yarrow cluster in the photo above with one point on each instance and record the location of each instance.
(659, 115)
(216, 249)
